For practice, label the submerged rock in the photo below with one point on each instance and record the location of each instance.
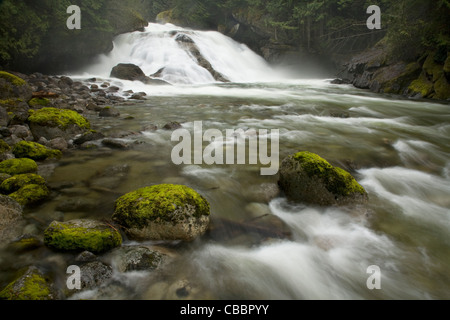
(137, 258)
(163, 212)
(306, 177)
(30, 285)
(109, 112)
(82, 234)
(11, 220)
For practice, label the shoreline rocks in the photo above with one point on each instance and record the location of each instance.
(375, 70)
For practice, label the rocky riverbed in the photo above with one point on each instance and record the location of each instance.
(45, 118)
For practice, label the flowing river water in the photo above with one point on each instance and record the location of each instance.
(397, 149)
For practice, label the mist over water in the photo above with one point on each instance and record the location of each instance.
(397, 149)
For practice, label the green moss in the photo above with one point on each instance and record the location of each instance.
(35, 151)
(157, 202)
(447, 63)
(30, 194)
(442, 88)
(31, 285)
(25, 243)
(4, 147)
(3, 177)
(10, 102)
(421, 86)
(432, 68)
(16, 182)
(165, 16)
(79, 235)
(35, 102)
(15, 80)
(337, 180)
(61, 118)
(18, 166)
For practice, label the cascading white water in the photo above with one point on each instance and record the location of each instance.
(157, 48)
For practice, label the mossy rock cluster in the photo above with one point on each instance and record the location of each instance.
(163, 212)
(308, 178)
(27, 189)
(82, 234)
(31, 284)
(433, 82)
(34, 151)
(52, 123)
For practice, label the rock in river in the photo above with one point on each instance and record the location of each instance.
(82, 234)
(163, 212)
(306, 177)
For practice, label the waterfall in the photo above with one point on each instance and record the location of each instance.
(183, 56)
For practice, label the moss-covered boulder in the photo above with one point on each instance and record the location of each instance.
(30, 194)
(12, 86)
(18, 166)
(27, 189)
(163, 212)
(306, 177)
(35, 151)
(52, 123)
(81, 235)
(16, 182)
(39, 102)
(30, 285)
(421, 87)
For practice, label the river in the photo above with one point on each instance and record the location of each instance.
(397, 149)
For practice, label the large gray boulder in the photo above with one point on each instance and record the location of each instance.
(128, 71)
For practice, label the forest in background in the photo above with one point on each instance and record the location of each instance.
(34, 36)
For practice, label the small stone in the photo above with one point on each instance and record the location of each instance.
(115, 144)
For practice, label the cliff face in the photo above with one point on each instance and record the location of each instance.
(375, 69)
